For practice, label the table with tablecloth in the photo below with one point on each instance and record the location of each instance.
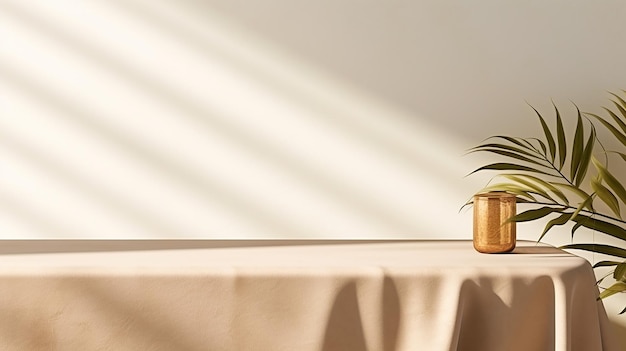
(295, 295)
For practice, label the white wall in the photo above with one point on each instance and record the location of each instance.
(278, 118)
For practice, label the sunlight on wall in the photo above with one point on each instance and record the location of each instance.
(137, 119)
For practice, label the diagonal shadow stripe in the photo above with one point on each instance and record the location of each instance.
(405, 155)
(270, 221)
(153, 223)
(342, 192)
(26, 214)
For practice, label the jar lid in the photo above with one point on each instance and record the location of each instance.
(496, 194)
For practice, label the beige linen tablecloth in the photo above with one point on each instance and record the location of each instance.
(295, 296)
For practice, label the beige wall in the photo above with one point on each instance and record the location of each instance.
(276, 118)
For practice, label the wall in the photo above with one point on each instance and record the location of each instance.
(275, 118)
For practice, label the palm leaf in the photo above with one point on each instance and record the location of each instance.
(560, 220)
(620, 136)
(597, 248)
(543, 183)
(606, 264)
(517, 141)
(606, 196)
(531, 215)
(501, 166)
(577, 146)
(617, 120)
(484, 147)
(541, 144)
(622, 111)
(621, 101)
(620, 272)
(585, 158)
(561, 142)
(510, 188)
(601, 226)
(575, 228)
(534, 187)
(586, 203)
(610, 180)
(548, 135)
(511, 155)
(576, 190)
(617, 287)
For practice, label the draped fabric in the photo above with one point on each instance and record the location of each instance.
(296, 295)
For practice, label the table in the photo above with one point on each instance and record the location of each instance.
(295, 295)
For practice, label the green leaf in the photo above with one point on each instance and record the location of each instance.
(577, 146)
(585, 204)
(617, 120)
(560, 133)
(606, 196)
(601, 226)
(513, 140)
(575, 228)
(583, 166)
(617, 287)
(489, 146)
(621, 101)
(622, 111)
(620, 272)
(531, 215)
(610, 180)
(510, 188)
(597, 248)
(620, 136)
(541, 144)
(560, 220)
(510, 154)
(606, 264)
(599, 281)
(543, 183)
(576, 190)
(508, 167)
(548, 135)
(534, 187)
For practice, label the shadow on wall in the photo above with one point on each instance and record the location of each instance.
(457, 63)
(341, 167)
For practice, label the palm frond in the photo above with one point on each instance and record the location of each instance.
(561, 140)
(548, 135)
(577, 146)
(585, 158)
(542, 183)
(605, 195)
(531, 215)
(601, 226)
(617, 287)
(610, 180)
(503, 166)
(560, 220)
(619, 135)
(597, 248)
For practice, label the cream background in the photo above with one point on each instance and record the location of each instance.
(275, 118)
